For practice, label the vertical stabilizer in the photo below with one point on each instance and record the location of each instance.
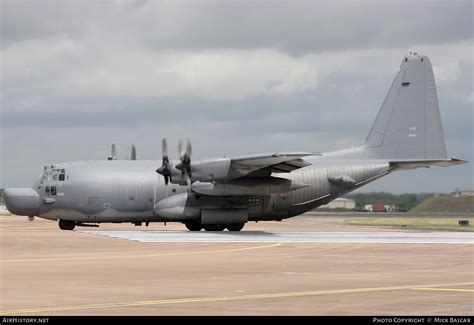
(408, 125)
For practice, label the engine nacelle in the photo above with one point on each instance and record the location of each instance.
(178, 207)
(204, 171)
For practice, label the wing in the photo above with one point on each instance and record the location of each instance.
(248, 175)
(265, 164)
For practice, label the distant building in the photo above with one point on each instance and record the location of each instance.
(340, 203)
(463, 193)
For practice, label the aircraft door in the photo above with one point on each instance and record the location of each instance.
(255, 206)
(76, 203)
(94, 205)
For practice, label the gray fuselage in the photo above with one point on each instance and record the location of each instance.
(128, 191)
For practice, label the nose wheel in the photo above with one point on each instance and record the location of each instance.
(66, 224)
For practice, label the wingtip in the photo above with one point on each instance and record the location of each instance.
(457, 161)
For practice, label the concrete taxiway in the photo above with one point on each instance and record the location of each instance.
(301, 266)
(376, 237)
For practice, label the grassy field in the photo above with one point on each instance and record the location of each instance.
(445, 204)
(450, 224)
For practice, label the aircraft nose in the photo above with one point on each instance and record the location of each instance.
(22, 201)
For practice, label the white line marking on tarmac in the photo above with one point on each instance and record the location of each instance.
(291, 237)
(112, 257)
(223, 298)
(447, 289)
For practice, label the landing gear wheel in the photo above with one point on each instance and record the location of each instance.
(66, 224)
(214, 227)
(235, 226)
(193, 226)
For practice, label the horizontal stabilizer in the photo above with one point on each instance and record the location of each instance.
(419, 163)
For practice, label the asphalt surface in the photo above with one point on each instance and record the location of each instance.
(46, 271)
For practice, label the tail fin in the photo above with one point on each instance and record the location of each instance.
(408, 125)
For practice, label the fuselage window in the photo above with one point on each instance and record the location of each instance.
(53, 190)
(61, 177)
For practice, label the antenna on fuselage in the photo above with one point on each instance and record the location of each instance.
(133, 154)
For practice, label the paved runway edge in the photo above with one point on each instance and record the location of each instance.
(291, 237)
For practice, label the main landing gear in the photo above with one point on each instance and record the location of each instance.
(196, 226)
(213, 227)
(193, 225)
(66, 224)
(235, 226)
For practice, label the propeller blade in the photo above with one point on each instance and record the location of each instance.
(164, 148)
(113, 153)
(165, 169)
(185, 151)
(133, 154)
(188, 180)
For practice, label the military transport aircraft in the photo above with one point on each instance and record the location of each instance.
(225, 193)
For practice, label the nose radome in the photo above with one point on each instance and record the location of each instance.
(22, 201)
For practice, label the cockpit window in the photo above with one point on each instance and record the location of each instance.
(57, 174)
(53, 174)
(53, 190)
(47, 190)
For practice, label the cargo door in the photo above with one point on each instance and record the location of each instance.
(94, 205)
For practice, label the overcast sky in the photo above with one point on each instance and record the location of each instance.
(235, 77)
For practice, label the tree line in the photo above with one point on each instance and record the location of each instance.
(404, 201)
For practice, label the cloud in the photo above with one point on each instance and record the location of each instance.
(293, 27)
(236, 78)
(447, 72)
(62, 67)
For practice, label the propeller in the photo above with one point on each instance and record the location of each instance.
(184, 151)
(133, 154)
(113, 155)
(165, 168)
